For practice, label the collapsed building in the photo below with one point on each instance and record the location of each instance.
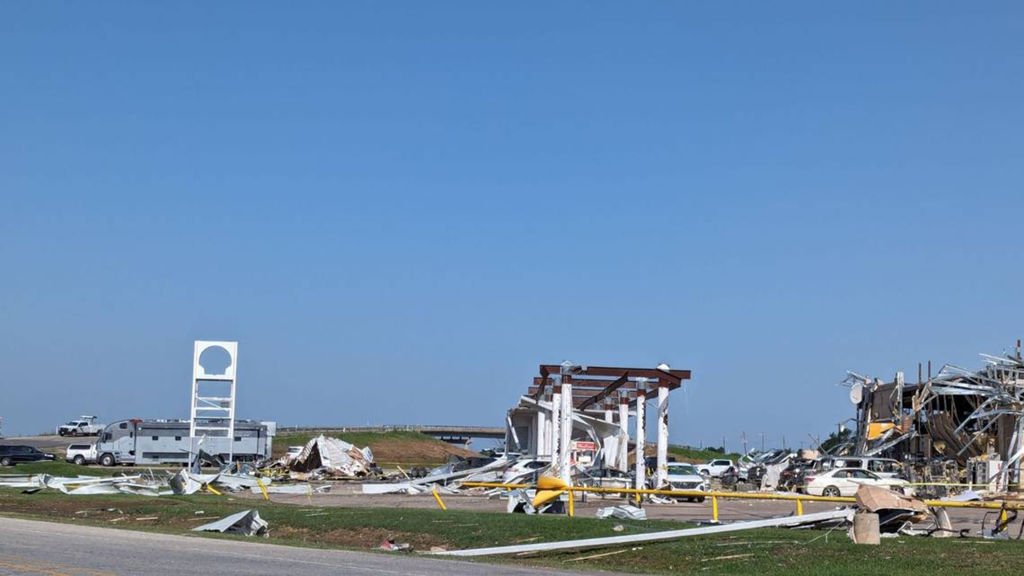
(969, 421)
(577, 417)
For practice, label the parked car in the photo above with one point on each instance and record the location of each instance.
(81, 454)
(608, 478)
(884, 467)
(683, 476)
(84, 426)
(846, 481)
(11, 455)
(716, 467)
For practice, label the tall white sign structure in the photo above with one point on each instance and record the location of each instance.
(213, 398)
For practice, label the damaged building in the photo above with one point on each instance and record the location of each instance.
(967, 420)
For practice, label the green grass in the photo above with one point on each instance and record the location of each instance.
(696, 455)
(360, 439)
(764, 552)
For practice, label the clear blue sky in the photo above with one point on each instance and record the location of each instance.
(401, 209)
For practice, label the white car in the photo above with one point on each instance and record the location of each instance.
(81, 454)
(715, 468)
(846, 481)
(683, 476)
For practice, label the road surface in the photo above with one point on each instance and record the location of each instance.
(28, 547)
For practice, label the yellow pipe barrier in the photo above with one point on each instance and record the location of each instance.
(800, 507)
(263, 488)
(714, 508)
(993, 505)
(211, 489)
(439, 501)
(572, 511)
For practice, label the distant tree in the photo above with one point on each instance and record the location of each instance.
(836, 439)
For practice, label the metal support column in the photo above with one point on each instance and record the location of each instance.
(556, 421)
(641, 433)
(564, 449)
(662, 474)
(623, 464)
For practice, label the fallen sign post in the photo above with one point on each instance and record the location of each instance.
(843, 514)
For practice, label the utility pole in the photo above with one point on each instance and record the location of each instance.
(762, 441)
(743, 438)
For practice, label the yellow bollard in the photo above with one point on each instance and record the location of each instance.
(714, 508)
(572, 511)
(439, 501)
(799, 507)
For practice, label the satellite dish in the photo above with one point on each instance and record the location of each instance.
(664, 367)
(856, 393)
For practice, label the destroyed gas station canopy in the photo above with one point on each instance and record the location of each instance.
(568, 417)
(594, 385)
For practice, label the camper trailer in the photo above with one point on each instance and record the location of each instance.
(149, 442)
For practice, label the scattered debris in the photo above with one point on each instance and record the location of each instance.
(390, 545)
(623, 512)
(248, 523)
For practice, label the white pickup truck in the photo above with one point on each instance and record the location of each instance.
(715, 468)
(84, 426)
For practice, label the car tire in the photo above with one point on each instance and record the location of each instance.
(699, 499)
(107, 460)
(6, 461)
(79, 460)
(830, 492)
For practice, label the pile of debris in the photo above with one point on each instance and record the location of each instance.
(324, 457)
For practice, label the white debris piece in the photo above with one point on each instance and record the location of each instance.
(624, 512)
(248, 523)
(333, 455)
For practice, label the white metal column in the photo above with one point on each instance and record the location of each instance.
(556, 421)
(641, 433)
(662, 475)
(623, 463)
(542, 429)
(213, 416)
(564, 449)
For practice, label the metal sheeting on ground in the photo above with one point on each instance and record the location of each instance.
(845, 514)
(247, 523)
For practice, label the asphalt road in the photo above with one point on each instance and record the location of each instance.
(28, 547)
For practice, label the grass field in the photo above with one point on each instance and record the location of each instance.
(698, 456)
(763, 552)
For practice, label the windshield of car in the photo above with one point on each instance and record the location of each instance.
(682, 469)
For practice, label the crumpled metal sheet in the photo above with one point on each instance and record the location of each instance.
(624, 512)
(247, 523)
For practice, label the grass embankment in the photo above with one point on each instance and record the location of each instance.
(764, 552)
(395, 447)
(698, 456)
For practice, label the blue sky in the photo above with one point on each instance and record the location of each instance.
(401, 209)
